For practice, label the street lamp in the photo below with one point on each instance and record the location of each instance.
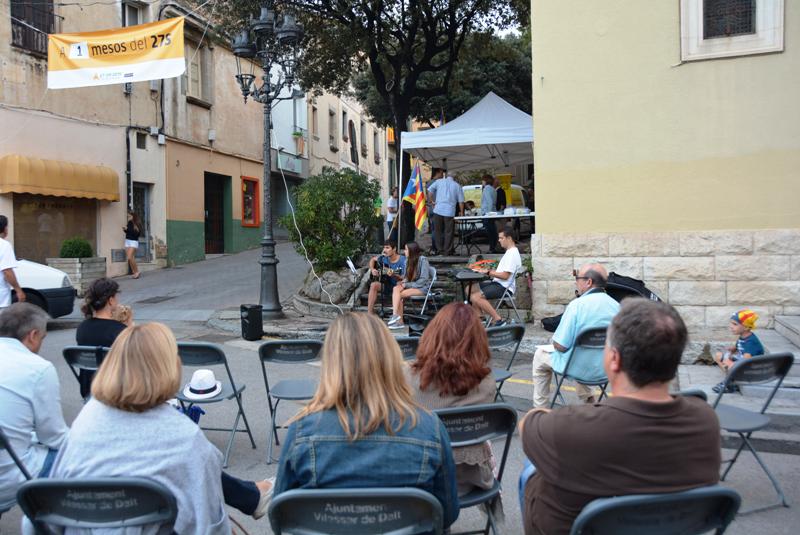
(275, 43)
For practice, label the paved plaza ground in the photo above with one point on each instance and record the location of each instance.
(187, 297)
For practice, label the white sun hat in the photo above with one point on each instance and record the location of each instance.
(204, 385)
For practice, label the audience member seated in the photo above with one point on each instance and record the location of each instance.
(415, 282)
(362, 428)
(593, 308)
(30, 402)
(387, 269)
(100, 328)
(128, 430)
(452, 370)
(482, 295)
(642, 440)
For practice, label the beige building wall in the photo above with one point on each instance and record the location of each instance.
(683, 174)
(328, 146)
(45, 136)
(628, 138)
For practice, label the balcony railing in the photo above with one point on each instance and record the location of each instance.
(30, 25)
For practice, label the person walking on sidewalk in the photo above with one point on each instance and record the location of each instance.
(132, 232)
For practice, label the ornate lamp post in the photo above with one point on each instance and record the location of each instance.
(275, 44)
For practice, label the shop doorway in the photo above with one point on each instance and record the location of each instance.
(215, 212)
(141, 206)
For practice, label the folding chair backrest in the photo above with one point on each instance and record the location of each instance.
(689, 513)
(84, 357)
(432, 275)
(197, 354)
(587, 353)
(5, 444)
(355, 512)
(506, 337)
(476, 424)
(759, 370)
(289, 351)
(408, 346)
(98, 503)
(500, 337)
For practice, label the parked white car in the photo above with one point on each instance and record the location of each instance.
(47, 287)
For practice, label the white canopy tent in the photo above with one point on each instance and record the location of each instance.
(492, 133)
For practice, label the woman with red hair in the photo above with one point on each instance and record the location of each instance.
(452, 370)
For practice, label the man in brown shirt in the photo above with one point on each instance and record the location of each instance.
(642, 440)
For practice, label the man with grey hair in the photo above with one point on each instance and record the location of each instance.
(642, 440)
(30, 401)
(592, 308)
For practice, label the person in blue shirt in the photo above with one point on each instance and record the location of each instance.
(447, 198)
(747, 345)
(386, 269)
(593, 308)
(362, 428)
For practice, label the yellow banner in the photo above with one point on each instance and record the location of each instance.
(133, 54)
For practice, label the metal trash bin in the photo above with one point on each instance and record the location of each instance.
(252, 326)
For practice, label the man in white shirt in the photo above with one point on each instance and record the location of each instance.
(447, 197)
(30, 401)
(502, 278)
(391, 209)
(8, 261)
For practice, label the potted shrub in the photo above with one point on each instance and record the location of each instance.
(78, 261)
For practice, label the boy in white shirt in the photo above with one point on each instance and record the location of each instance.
(502, 278)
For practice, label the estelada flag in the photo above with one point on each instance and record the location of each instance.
(132, 54)
(415, 194)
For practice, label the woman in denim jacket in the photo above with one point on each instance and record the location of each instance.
(362, 427)
(416, 281)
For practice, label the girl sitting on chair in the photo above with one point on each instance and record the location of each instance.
(415, 282)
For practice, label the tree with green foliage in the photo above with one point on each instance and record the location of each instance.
(487, 62)
(410, 48)
(334, 213)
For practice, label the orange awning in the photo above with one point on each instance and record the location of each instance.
(22, 174)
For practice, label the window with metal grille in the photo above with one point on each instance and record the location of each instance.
(30, 24)
(725, 18)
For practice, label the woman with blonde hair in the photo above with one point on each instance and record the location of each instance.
(452, 370)
(362, 428)
(128, 429)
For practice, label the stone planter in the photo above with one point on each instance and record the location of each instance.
(81, 271)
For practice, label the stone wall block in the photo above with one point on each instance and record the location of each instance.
(703, 243)
(575, 245)
(764, 292)
(661, 288)
(679, 268)
(536, 245)
(560, 292)
(697, 293)
(795, 267)
(552, 268)
(758, 267)
(791, 310)
(693, 316)
(628, 266)
(644, 244)
(717, 317)
(541, 308)
(782, 241)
